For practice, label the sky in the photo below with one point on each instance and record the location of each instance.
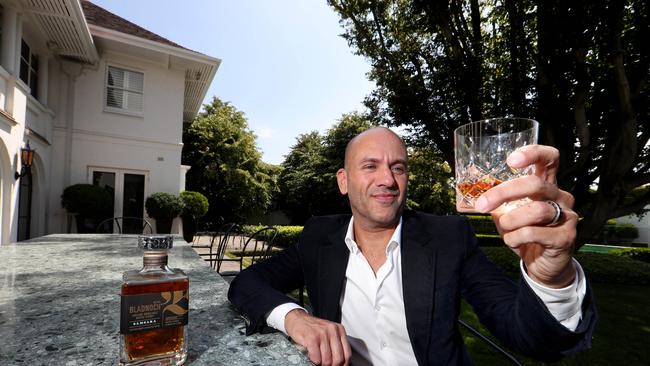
(283, 62)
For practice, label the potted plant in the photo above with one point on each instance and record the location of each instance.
(163, 207)
(89, 203)
(195, 206)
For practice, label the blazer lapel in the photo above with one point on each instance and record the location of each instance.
(418, 282)
(332, 264)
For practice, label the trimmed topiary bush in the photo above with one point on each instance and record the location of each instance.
(87, 200)
(626, 232)
(89, 203)
(194, 204)
(163, 207)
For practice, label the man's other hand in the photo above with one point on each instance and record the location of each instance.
(325, 341)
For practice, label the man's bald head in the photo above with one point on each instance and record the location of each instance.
(372, 133)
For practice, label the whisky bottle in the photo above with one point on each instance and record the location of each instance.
(154, 308)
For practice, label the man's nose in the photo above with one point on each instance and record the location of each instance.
(386, 177)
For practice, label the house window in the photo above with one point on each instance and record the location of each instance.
(29, 68)
(124, 90)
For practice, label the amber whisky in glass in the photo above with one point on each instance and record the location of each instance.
(154, 308)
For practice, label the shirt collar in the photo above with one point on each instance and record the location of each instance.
(394, 242)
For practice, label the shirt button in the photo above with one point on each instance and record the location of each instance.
(377, 307)
(382, 345)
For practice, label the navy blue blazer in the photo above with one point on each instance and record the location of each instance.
(441, 262)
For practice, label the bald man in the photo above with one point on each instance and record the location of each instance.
(385, 284)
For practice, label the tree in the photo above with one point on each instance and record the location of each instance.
(226, 165)
(308, 179)
(299, 180)
(430, 187)
(581, 68)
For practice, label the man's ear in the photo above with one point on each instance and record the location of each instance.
(342, 180)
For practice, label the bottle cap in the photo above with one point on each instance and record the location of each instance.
(148, 242)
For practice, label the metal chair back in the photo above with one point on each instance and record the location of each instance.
(257, 247)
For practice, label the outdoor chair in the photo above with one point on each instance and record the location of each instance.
(125, 225)
(217, 240)
(196, 239)
(490, 343)
(257, 247)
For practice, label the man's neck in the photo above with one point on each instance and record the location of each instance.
(372, 242)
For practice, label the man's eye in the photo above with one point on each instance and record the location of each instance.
(368, 167)
(399, 170)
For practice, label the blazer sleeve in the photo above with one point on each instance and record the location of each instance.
(261, 287)
(515, 314)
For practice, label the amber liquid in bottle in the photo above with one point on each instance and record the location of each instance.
(158, 341)
(155, 302)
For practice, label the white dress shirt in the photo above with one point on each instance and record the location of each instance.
(372, 305)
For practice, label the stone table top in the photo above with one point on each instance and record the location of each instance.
(60, 305)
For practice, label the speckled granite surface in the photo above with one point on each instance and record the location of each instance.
(59, 305)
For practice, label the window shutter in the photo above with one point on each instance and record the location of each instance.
(124, 89)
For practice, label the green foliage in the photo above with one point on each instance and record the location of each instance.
(308, 179)
(640, 254)
(599, 267)
(226, 165)
(300, 178)
(616, 234)
(626, 232)
(195, 204)
(287, 235)
(607, 268)
(430, 184)
(163, 206)
(483, 224)
(580, 69)
(87, 200)
(505, 258)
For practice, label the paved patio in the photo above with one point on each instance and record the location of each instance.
(202, 247)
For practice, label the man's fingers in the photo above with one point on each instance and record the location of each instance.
(336, 355)
(545, 158)
(529, 186)
(347, 350)
(559, 237)
(534, 213)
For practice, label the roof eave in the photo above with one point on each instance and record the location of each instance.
(197, 78)
(64, 25)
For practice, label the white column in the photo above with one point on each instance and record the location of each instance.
(9, 26)
(43, 78)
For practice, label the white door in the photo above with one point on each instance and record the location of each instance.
(128, 188)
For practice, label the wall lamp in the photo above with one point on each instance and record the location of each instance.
(26, 158)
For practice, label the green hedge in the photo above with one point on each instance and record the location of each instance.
(611, 233)
(628, 266)
(483, 224)
(640, 254)
(287, 235)
(616, 234)
(599, 267)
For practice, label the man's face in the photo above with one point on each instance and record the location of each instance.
(375, 178)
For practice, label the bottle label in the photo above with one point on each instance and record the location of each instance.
(153, 310)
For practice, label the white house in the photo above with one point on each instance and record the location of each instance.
(100, 100)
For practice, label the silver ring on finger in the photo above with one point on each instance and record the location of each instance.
(559, 214)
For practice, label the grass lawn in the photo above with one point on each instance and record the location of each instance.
(621, 336)
(623, 328)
